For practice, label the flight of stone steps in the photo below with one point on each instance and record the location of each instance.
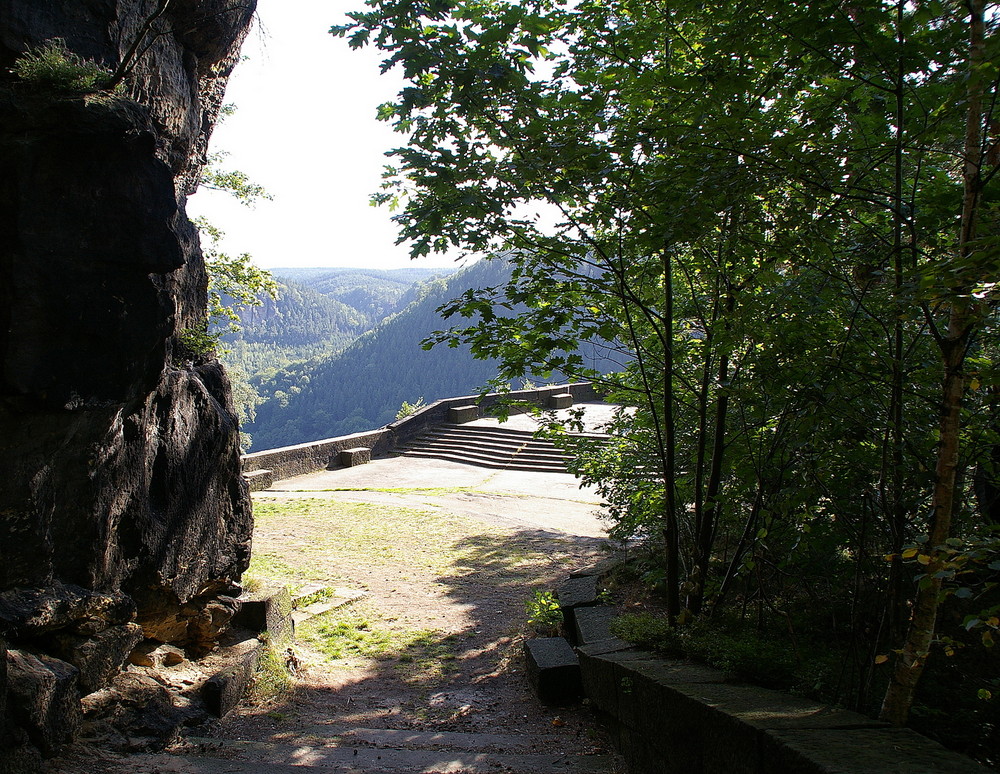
(488, 447)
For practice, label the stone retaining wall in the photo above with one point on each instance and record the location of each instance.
(289, 461)
(676, 717)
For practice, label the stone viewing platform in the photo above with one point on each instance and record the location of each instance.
(415, 435)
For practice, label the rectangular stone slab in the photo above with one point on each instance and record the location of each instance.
(224, 690)
(578, 592)
(560, 401)
(553, 670)
(459, 415)
(360, 455)
(860, 751)
(593, 624)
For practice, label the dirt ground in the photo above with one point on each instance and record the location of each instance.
(443, 558)
(447, 590)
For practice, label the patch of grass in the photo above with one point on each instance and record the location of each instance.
(348, 636)
(271, 681)
(336, 534)
(428, 657)
(345, 635)
(269, 570)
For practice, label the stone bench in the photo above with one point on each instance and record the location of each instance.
(560, 401)
(360, 455)
(259, 480)
(459, 415)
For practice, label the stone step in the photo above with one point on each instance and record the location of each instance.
(405, 738)
(340, 598)
(457, 456)
(484, 446)
(489, 451)
(210, 756)
(486, 442)
(489, 447)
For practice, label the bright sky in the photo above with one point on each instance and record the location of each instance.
(305, 129)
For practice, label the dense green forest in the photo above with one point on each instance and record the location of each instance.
(363, 386)
(317, 312)
(787, 217)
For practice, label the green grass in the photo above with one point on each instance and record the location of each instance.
(328, 534)
(348, 634)
(434, 490)
(271, 681)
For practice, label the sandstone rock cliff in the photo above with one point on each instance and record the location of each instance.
(121, 500)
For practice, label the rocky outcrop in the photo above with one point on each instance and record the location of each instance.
(122, 510)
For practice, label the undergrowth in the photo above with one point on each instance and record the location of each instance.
(743, 654)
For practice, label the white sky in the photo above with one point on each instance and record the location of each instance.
(305, 129)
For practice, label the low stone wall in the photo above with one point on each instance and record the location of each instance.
(676, 717)
(302, 458)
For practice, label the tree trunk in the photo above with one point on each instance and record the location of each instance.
(671, 533)
(953, 344)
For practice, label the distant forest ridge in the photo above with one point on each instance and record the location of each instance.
(340, 350)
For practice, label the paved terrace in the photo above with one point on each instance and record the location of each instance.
(553, 502)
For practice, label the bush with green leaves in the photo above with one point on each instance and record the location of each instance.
(544, 614)
(54, 67)
(409, 409)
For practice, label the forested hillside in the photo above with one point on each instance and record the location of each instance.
(362, 387)
(300, 324)
(375, 293)
(317, 312)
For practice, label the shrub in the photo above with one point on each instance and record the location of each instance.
(744, 654)
(544, 614)
(53, 66)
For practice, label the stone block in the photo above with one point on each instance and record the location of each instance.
(259, 480)
(270, 612)
(859, 751)
(593, 624)
(360, 455)
(553, 670)
(674, 717)
(601, 567)
(597, 674)
(573, 594)
(578, 592)
(35, 612)
(459, 415)
(135, 713)
(224, 690)
(154, 654)
(207, 621)
(43, 698)
(560, 400)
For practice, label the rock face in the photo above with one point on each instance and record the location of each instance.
(121, 498)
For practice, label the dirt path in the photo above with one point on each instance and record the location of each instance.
(424, 672)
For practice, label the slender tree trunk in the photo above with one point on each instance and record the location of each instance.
(671, 533)
(953, 344)
(894, 497)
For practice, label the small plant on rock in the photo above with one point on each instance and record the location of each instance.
(53, 66)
